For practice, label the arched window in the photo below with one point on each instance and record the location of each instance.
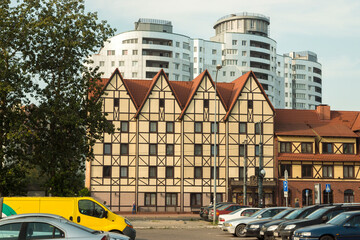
(348, 196)
(328, 197)
(307, 198)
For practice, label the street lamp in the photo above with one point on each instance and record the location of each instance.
(245, 174)
(261, 170)
(218, 67)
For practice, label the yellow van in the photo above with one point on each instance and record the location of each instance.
(85, 211)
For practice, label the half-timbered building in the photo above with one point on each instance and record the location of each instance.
(161, 155)
(319, 149)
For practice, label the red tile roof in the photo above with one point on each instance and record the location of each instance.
(318, 157)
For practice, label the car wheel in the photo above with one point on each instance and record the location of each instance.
(326, 237)
(239, 230)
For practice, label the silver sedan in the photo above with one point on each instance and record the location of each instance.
(48, 226)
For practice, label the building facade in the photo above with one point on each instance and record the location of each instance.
(241, 44)
(162, 152)
(318, 148)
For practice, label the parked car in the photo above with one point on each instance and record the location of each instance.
(267, 230)
(346, 225)
(240, 213)
(204, 211)
(225, 209)
(286, 229)
(252, 229)
(47, 226)
(237, 226)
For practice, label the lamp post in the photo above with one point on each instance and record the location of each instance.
(245, 174)
(261, 170)
(218, 67)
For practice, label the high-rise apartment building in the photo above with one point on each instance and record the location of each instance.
(241, 43)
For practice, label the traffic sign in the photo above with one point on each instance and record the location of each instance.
(327, 188)
(285, 185)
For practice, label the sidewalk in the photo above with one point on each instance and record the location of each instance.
(167, 220)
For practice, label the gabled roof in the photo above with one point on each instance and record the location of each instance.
(294, 122)
(239, 84)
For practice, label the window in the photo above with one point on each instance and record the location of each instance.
(107, 149)
(134, 63)
(124, 149)
(116, 102)
(234, 42)
(328, 171)
(38, 230)
(198, 127)
(169, 172)
(224, 73)
(161, 102)
(150, 199)
(134, 74)
(90, 208)
(177, 44)
(214, 51)
(250, 104)
(243, 42)
(10, 231)
(284, 167)
(242, 150)
(232, 74)
(212, 173)
(152, 172)
(241, 173)
(258, 128)
(169, 149)
(243, 64)
(152, 149)
(217, 127)
(124, 126)
(348, 171)
(285, 147)
(124, 52)
(197, 172)
(243, 53)
(257, 150)
(135, 52)
(348, 148)
(349, 197)
(195, 200)
(206, 103)
(195, 59)
(106, 171)
(171, 199)
(113, 63)
(169, 127)
(102, 63)
(123, 171)
(306, 147)
(153, 127)
(121, 63)
(198, 149)
(213, 62)
(327, 148)
(306, 171)
(212, 150)
(242, 127)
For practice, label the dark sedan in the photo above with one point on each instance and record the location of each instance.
(344, 226)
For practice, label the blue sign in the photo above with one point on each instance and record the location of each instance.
(285, 186)
(327, 188)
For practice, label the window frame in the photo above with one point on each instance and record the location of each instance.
(146, 196)
(242, 150)
(198, 173)
(116, 102)
(305, 145)
(154, 168)
(326, 152)
(212, 127)
(325, 171)
(168, 148)
(212, 150)
(124, 151)
(108, 170)
(286, 144)
(195, 200)
(104, 148)
(259, 128)
(352, 148)
(347, 171)
(196, 153)
(121, 172)
(171, 195)
(124, 124)
(152, 124)
(212, 172)
(244, 124)
(198, 124)
(303, 169)
(206, 103)
(156, 149)
(162, 103)
(170, 127)
(169, 169)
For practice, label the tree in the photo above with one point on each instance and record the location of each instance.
(48, 42)
(15, 83)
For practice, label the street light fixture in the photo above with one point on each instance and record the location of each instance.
(218, 67)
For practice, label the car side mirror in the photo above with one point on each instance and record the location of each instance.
(325, 218)
(347, 225)
(106, 214)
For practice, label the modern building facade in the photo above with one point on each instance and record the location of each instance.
(162, 152)
(319, 149)
(241, 44)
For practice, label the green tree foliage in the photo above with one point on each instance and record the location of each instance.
(66, 122)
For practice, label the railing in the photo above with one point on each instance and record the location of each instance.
(243, 14)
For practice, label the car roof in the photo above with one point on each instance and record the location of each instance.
(33, 215)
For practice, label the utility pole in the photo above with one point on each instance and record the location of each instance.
(245, 174)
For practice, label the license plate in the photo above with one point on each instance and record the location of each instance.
(262, 233)
(276, 234)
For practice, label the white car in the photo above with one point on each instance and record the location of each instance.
(240, 213)
(237, 226)
(48, 226)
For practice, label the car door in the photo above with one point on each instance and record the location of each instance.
(351, 229)
(91, 215)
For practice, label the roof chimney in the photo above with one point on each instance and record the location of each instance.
(323, 111)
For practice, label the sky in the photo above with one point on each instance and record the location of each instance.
(330, 28)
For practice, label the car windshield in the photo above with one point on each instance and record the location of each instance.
(318, 213)
(294, 214)
(339, 219)
(259, 212)
(236, 211)
(282, 214)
